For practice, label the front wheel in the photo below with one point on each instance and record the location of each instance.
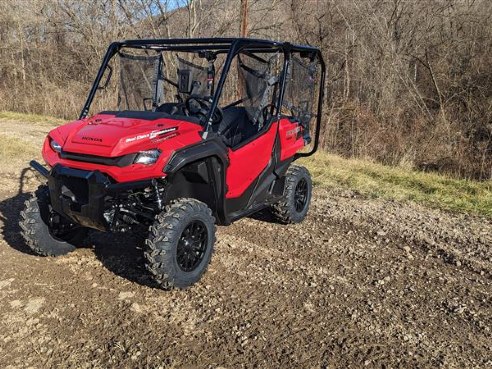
(180, 244)
(298, 189)
(46, 232)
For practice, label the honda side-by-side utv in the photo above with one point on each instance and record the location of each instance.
(200, 132)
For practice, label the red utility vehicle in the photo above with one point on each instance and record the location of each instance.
(203, 132)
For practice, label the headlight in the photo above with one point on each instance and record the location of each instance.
(55, 146)
(147, 157)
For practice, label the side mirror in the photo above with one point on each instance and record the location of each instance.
(109, 73)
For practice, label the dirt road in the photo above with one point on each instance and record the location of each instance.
(361, 283)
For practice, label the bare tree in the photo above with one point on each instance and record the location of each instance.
(409, 82)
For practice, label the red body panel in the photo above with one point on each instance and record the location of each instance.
(248, 161)
(108, 136)
(291, 140)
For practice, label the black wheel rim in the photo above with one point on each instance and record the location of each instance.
(192, 246)
(301, 195)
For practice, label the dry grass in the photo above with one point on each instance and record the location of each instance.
(12, 148)
(376, 180)
(30, 118)
(16, 153)
(21, 138)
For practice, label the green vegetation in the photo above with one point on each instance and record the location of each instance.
(376, 180)
(30, 118)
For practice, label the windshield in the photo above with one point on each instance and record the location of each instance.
(147, 82)
(140, 86)
(165, 81)
(156, 80)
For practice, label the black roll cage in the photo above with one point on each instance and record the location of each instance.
(231, 46)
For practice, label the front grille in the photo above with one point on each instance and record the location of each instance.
(119, 161)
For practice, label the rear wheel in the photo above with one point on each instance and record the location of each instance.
(180, 244)
(294, 205)
(46, 232)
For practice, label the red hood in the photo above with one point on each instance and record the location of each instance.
(109, 136)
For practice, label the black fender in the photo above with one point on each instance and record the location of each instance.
(211, 156)
(210, 147)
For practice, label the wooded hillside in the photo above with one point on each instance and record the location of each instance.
(409, 82)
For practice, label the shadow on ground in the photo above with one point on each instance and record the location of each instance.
(122, 254)
(264, 215)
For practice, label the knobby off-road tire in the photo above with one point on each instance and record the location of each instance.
(294, 205)
(180, 243)
(36, 231)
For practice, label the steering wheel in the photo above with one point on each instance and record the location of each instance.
(200, 106)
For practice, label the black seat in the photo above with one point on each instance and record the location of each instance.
(167, 107)
(235, 126)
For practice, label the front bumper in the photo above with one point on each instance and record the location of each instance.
(81, 195)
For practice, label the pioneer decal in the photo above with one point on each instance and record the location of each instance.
(155, 134)
(151, 135)
(165, 137)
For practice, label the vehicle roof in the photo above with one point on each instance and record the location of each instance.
(219, 43)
